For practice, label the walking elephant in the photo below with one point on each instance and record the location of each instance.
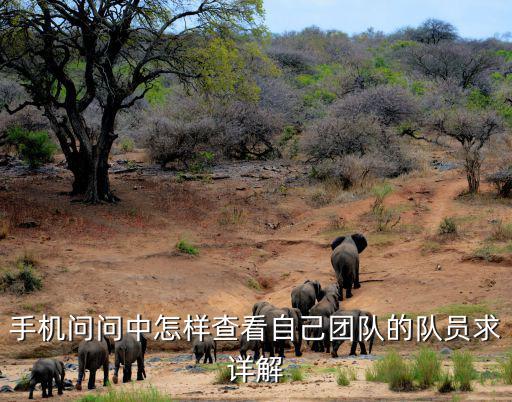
(204, 348)
(356, 332)
(306, 295)
(345, 261)
(271, 345)
(93, 355)
(44, 372)
(128, 351)
(324, 309)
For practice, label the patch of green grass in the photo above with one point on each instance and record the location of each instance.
(502, 231)
(127, 144)
(296, 374)
(430, 246)
(34, 308)
(469, 310)
(426, 367)
(394, 370)
(463, 369)
(489, 251)
(232, 216)
(127, 395)
(445, 383)
(345, 375)
(223, 375)
(253, 284)
(185, 247)
(506, 369)
(448, 226)
(23, 278)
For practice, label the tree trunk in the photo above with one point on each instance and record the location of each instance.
(98, 183)
(473, 173)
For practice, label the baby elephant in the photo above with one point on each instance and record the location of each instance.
(204, 348)
(128, 351)
(44, 372)
(254, 345)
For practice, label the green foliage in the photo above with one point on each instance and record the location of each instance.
(319, 95)
(447, 226)
(223, 375)
(157, 95)
(202, 162)
(502, 231)
(34, 147)
(463, 369)
(445, 383)
(384, 216)
(127, 144)
(127, 395)
(426, 368)
(478, 100)
(183, 246)
(296, 374)
(253, 284)
(418, 88)
(344, 375)
(22, 279)
(393, 370)
(506, 369)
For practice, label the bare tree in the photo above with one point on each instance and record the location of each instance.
(433, 31)
(71, 54)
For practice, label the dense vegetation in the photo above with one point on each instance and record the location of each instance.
(355, 106)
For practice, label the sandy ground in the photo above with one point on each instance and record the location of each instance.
(259, 224)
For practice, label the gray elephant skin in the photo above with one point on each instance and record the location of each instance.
(246, 345)
(345, 261)
(93, 355)
(44, 371)
(204, 348)
(128, 351)
(306, 295)
(272, 346)
(356, 314)
(324, 309)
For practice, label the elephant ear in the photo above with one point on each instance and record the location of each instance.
(360, 242)
(337, 242)
(318, 290)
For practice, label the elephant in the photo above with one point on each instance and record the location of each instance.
(93, 355)
(324, 309)
(128, 351)
(306, 295)
(345, 261)
(271, 345)
(254, 345)
(260, 308)
(44, 371)
(356, 314)
(204, 348)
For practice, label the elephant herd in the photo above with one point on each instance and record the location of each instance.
(310, 299)
(92, 355)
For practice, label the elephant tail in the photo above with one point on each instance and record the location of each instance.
(215, 351)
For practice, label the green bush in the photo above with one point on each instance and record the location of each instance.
(393, 370)
(448, 226)
(463, 370)
(34, 147)
(127, 144)
(134, 395)
(296, 374)
(184, 246)
(427, 368)
(223, 375)
(445, 383)
(23, 279)
(506, 369)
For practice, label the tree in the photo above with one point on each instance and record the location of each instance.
(433, 31)
(72, 56)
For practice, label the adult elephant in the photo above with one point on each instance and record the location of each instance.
(345, 261)
(306, 295)
(324, 309)
(271, 345)
(260, 308)
(93, 355)
(128, 351)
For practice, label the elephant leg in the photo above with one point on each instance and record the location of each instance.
(44, 386)
(127, 372)
(363, 348)
(327, 345)
(210, 358)
(81, 373)
(92, 379)
(59, 384)
(31, 389)
(335, 346)
(256, 354)
(105, 373)
(50, 387)
(321, 346)
(353, 348)
(117, 365)
(357, 284)
(243, 354)
(140, 368)
(348, 288)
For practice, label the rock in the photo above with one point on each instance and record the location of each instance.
(229, 388)
(28, 225)
(71, 366)
(5, 389)
(154, 359)
(68, 384)
(446, 351)
(439, 267)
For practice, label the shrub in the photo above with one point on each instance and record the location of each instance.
(253, 284)
(445, 383)
(34, 147)
(127, 144)
(427, 368)
(502, 181)
(463, 370)
(132, 395)
(22, 279)
(506, 369)
(447, 226)
(385, 217)
(183, 246)
(393, 370)
(223, 375)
